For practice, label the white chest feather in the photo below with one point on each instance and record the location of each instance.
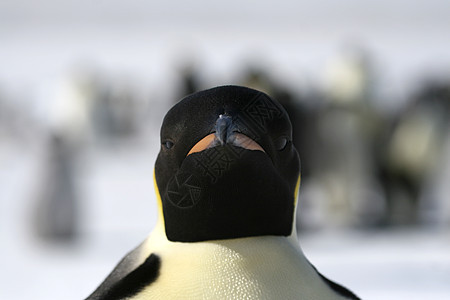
(250, 268)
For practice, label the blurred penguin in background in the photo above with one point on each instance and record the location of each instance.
(413, 156)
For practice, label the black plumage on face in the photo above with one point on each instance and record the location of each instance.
(227, 167)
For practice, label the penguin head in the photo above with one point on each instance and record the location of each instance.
(227, 167)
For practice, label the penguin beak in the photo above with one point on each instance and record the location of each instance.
(225, 132)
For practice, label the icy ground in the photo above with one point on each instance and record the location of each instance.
(118, 212)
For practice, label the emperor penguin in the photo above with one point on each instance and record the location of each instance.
(226, 178)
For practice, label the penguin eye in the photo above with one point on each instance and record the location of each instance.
(281, 143)
(168, 144)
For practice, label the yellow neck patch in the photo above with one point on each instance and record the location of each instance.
(160, 221)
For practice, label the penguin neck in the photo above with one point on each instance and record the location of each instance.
(247, 248)
(159, 230)
(158, 239)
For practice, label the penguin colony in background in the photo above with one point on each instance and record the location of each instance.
(226, 178)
